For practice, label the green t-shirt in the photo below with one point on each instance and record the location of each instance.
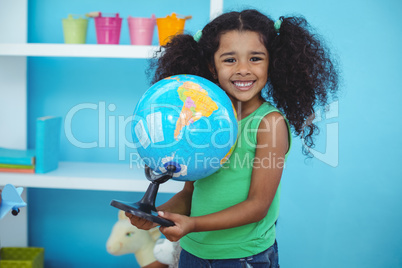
(227, 187)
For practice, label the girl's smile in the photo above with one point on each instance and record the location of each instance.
(243, 85)
(241, 64)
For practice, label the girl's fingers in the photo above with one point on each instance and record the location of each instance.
(140, 223)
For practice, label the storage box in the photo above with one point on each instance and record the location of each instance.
(22, 257)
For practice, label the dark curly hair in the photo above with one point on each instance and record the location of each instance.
(301, 72)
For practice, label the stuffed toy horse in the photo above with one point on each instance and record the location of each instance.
(126, 238)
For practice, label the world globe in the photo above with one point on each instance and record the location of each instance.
(187, 122)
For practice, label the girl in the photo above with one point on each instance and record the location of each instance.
(228, 219)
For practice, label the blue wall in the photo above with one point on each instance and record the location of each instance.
(341, 209)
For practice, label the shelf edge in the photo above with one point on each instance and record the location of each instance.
(77, 50)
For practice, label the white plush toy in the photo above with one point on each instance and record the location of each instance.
(167, 252)
(126, 238)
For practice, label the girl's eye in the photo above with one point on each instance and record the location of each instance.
(230, 60)
(255, 59)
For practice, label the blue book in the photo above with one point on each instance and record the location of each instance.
(47, 144)
(17, 157)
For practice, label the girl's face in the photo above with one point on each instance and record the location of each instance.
(241, 63)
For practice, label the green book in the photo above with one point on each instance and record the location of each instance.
(16, 166)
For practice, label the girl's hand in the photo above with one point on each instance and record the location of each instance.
(183, 225)
(140, 223)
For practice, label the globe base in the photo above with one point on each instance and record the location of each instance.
(145, 208)
(138, 210)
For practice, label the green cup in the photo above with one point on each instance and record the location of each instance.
(75, 29)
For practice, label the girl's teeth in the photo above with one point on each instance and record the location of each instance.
(243, 84)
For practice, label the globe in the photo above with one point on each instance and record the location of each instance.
(184, 121)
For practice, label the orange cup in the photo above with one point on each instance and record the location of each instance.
(170, 26)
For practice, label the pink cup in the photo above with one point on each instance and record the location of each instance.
(108, 29)
(141, 30)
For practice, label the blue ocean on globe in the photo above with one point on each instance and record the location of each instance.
(185, 121)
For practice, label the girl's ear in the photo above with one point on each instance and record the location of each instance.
(213, 71)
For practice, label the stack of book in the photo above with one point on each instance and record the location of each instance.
(42, 159)
(21, 161)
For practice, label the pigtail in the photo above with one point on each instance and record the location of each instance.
(181, 55)
(302, 75)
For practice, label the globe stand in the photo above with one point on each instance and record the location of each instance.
(145, 208)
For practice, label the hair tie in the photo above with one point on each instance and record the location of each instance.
(278, 24)
(197, 36)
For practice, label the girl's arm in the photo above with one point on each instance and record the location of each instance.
(272, 142)
(180, 203)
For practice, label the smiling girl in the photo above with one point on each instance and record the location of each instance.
(228, 219)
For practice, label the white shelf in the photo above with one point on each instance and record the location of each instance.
(77, 50)
(90, 176)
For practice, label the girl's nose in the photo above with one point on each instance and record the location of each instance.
(243, 68)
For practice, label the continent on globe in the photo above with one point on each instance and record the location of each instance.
(196, 104)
